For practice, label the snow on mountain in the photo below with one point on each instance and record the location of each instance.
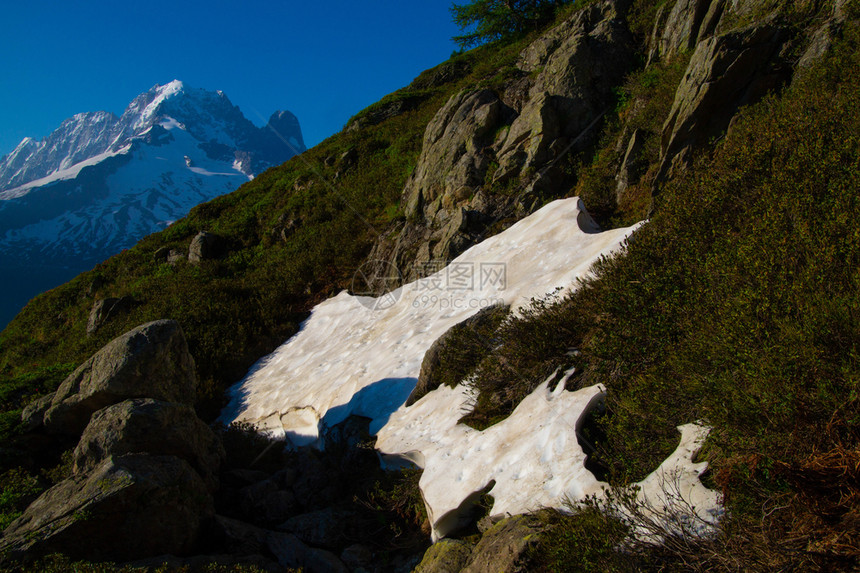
(217, 124)
(99, 183)
(362, 356)
(78, 138)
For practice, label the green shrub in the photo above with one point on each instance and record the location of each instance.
(17, 490)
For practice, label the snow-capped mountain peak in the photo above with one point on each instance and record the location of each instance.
(208, 116)
(99, 182)
(159, 95)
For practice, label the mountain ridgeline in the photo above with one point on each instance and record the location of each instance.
(99, 183)
(731, 127)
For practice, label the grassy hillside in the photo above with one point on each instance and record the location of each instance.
(294, 236)
(738, 305)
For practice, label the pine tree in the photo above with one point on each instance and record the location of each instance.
(489, 20)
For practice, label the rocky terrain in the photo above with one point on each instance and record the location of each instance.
(727, 126)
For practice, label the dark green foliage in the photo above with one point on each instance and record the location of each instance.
(739, 305)
(490, 20)
(643, 105)
(466, 345)
(396, 500)
(586, 540)
(17, 490)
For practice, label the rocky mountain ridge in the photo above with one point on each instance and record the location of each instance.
(208, 116)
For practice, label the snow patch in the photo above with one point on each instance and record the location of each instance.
(533, 456)
(169, 123)
(358, 355)
(533, 460)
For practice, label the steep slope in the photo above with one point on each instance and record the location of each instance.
(736, 304)
(298, 391)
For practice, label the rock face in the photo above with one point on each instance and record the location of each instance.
(126, 507)
(144, 469)
(154, 427)
(725, 73)
(579, 62)
(561, 89)
(453, 160)
(151, 361)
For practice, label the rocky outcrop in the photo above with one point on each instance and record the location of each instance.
(168, 255)
(143, 471)
(688, 22)
(484, 139)
(150, 361)
(105, 309)
(205, 246)
(126, 507)
(245, 539)
(324, 528)
(503, 547)
(578, 64)
(725, 72)
(453, 159)
(154, 427)
(446, 556)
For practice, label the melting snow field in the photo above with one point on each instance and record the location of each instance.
(362, 356)
(359, 355)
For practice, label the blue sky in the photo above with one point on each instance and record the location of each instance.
(324, 61)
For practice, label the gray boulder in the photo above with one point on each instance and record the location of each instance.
(103, 310)
(205, 246)
(356, 556)
(153, 427)
(150, 361)
(128, 507)
(324, 528)
(242, 538)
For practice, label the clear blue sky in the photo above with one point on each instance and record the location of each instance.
(322, 60)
